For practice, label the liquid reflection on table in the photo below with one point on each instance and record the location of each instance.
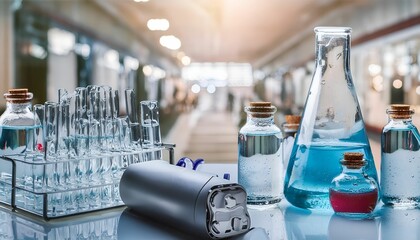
(281, 222)
(100, 225)
(386, 224)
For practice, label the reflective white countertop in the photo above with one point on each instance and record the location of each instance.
(281, 221)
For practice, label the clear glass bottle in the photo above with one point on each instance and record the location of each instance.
(331, 124)
(260, 164)
(353, 193)
(400, 166)
(290, 128)
(17, 123)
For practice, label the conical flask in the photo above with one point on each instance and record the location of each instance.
(331, 124)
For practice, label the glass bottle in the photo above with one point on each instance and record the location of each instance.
(400, 167)
(17, 123)
(331, 124)
(353, 193)
(260, 166)
(290, 128)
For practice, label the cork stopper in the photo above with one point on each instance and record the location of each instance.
(400, 111)
(292, 122)
(260, 109)
(353, 160)
(293, 119)
(18, 95)
(260, 104)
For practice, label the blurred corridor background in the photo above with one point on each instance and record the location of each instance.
(203, 60)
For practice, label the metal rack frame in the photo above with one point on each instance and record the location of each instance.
(13, 206)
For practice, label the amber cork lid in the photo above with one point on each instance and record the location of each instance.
(18, 95)
(353, 160)
(400, 111)
(292, 122)
(293, 119)
(260, 109)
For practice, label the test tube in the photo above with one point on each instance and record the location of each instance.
(89, 90)
(39, 112)
(116, 104)
(151, 136)
(107, 117)
(130, 101)
(81, 122)
(30, 151)
(106, 130)
(94, 165)
(51, 175)
(50, 131)
(81, 102)
(94, 115)
(150, 124)
(115, 108)
(38, 171)
(124, 141)
(63, 130)
(72, 125)
(66, 141)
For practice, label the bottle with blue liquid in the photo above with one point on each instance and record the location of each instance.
(17, 124)
(331, 125)
(260, 156)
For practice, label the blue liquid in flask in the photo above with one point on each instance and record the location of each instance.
(312, 168)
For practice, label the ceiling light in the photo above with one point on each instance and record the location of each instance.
(374, 69)
(170, 41)
(37, 51)
(180, 55)
(378, 87)
(158, 24)
(82, 49)
(378, 80)
(141, 1)
(211, 89)
(111, 56)
(147, 70)
(402, 69)
(397, 83)
(131, 63)
(378, 83)
(60, 41)
(158, 73)
(195, 88)
(112, 59)
(186, 60)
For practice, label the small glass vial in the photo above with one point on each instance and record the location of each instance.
(260, 164)
(353, 193)
(17, 123)
(400, 167)
(290, 128)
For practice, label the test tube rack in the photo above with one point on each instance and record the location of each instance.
(72, 198)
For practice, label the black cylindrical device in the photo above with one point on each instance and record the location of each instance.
(195, 202)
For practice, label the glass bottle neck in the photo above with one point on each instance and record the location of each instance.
(260, 121)
(352, 170)
(404, 120)
(18, 106)
(332, 49)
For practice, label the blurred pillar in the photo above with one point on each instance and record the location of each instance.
(6, 47)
